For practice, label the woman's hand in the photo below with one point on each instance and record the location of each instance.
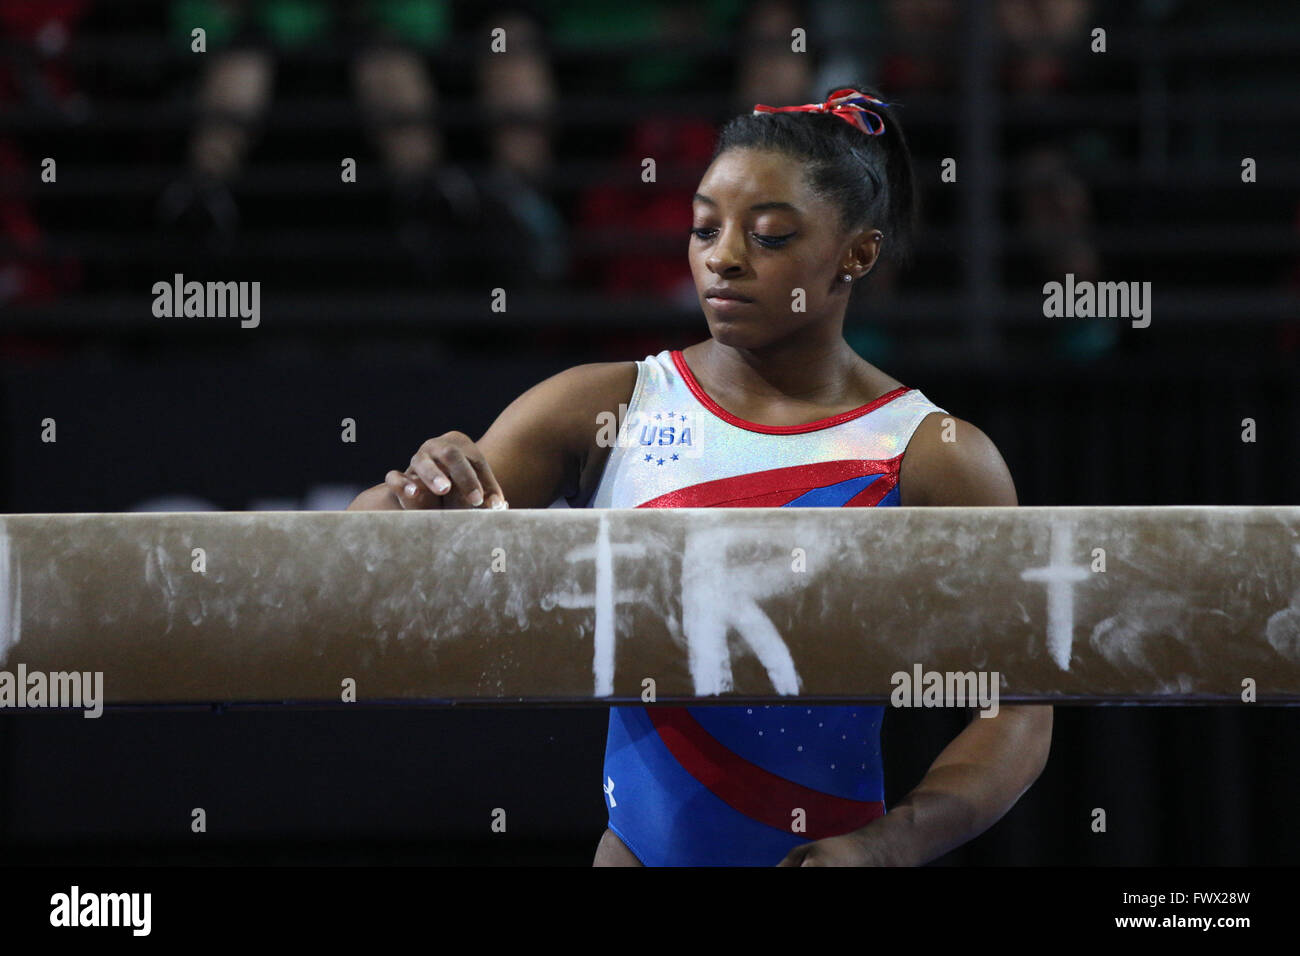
(850, 849)
(447, 472)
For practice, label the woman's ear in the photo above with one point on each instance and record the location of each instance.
(866, 249)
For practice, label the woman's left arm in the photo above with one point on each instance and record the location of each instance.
(982, 773)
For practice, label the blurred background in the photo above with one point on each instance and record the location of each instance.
(522, 170)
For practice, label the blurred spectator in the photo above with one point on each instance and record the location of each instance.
(1041, 40)
(645, 226)
(641, 25)
(34, 76)
(767, 69)
(517, 90)
(1040, 44)
(243, 38)
(920, 36)
(440, 211)
(1035, 36)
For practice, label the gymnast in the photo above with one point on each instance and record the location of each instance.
(773, 409)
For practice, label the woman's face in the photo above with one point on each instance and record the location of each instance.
(758, 232)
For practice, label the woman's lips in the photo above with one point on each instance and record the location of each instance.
(727, 305)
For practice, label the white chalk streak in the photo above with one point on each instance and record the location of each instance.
(603, 663)
(717, 597)
(1060, 577)
(11, 598)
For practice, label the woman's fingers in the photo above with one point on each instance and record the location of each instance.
(410, 491)
(449, 471)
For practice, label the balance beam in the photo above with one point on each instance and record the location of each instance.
(557, 606)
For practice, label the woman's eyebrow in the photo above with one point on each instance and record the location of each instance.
(700, 197)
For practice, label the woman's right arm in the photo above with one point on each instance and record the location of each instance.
(531, 455)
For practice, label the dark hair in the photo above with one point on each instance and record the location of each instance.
(867, 178)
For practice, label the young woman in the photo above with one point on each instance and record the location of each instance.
(797, 205)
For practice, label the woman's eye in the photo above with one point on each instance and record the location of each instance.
(771, 242)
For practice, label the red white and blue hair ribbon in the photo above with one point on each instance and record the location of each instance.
(848, 104)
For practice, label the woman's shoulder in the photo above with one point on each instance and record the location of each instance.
(949, 461)
(598, 382)
(574, 398)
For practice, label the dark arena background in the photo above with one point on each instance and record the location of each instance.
(1166, 155)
